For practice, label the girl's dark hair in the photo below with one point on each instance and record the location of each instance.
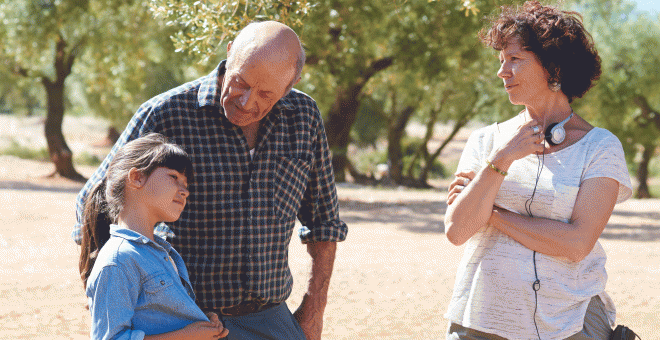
(558, 38)
(105, 201)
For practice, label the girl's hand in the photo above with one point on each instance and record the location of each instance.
(458, 184)
(203, 330)
(215, 320)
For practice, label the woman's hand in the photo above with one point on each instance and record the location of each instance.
(527, 140)
(458, 184)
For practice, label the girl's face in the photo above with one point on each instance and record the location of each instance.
(165, 193)
(525, 79)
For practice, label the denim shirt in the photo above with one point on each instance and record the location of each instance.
(134, 289)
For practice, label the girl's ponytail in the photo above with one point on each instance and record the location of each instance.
(96, 229)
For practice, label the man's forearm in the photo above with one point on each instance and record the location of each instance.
(323, 259)
(310, 312)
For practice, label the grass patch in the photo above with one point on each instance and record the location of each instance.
(86, 158)
(20, 151)
(654, 190)
(17, 150)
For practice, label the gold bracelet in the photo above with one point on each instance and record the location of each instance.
(503, 173)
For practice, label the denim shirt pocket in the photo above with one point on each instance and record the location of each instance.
(291, 177)
(157, 288)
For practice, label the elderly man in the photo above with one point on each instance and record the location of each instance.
(261, 159)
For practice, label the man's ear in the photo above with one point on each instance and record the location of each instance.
(297, 80)
(136, 179)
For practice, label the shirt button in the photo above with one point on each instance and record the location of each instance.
(162, 283)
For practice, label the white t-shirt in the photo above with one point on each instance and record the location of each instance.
(493, 289)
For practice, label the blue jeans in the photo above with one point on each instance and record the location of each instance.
(274, 323)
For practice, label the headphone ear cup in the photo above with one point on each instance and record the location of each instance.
(549, 135)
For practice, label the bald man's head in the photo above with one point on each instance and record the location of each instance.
(263, 64)
(268, 42)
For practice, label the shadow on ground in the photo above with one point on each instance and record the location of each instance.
(421, 217)
(415, 215)
(22, 185)
(623, 232)
(642, 214)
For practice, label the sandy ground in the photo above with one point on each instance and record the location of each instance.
(393, 276)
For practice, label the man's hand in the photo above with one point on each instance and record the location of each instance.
(310, 318)
(310, 313)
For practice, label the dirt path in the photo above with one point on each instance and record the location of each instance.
(392, 280)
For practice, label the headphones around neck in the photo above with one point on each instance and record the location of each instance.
(555, 133)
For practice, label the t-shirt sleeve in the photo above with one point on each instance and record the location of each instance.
(472, 157)
(609, 161)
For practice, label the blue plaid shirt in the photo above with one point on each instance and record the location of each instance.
(235, 230)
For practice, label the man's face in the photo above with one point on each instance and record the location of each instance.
(251, 87)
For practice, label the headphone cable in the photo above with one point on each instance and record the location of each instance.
(536, 286)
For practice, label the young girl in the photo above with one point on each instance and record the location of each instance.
(136, 283)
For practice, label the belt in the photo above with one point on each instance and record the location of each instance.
(245, 308)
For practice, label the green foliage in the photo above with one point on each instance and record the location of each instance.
(137, 63)
(203, 26)
(629, 45)
(370, 124)
(121, 55)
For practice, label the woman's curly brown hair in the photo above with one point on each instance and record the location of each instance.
(558, 38)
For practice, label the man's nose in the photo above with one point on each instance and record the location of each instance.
(246, 100)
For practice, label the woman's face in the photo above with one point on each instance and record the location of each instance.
(525, 79)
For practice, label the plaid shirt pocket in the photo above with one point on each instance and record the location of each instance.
(291, 177)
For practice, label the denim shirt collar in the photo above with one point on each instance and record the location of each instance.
(134, 236)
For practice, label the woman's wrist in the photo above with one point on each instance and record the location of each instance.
(499, 164)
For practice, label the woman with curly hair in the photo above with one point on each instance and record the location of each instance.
(533, 194)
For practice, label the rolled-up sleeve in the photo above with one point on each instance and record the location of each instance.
(319, 212)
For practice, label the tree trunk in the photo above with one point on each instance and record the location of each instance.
(58, 150)
(111, 137)
(395, 133)
(338, 127)
(651, 117)
(343, 113)
(643, 172)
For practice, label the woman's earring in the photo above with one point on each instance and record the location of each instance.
(555, 86)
